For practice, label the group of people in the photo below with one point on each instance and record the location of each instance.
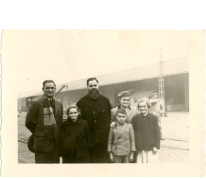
(94, 132)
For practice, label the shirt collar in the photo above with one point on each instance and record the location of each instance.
(120, 107)
(78, 121)
(45, 97)
(121, 125)
(148, 115)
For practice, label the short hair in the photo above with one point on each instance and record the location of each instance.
(91, 79)
(146, 100)
(121, 111)
(48, 81)
(71, 107)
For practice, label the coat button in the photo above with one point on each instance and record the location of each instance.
(94, 120)
(93, 111)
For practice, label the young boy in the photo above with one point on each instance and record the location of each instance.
(121, 142)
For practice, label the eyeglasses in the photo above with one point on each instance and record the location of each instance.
(92, 85)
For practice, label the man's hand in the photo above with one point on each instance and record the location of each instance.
(132, 157)
(111, 157)
(154, 150)
(113, 124)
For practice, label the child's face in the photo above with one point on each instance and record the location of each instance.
(143, 108)
(121, 118)
(73, 114)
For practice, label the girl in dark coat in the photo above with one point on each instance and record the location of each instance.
(74, 138)
(147, 134)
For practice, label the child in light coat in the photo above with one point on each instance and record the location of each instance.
(121, 144)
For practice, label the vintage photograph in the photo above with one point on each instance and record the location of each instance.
(102, 96)
(138, 114)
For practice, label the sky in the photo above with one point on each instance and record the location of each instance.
(69, 55)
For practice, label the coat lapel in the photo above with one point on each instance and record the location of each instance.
(44, 103)
(119, 134)
(129, 113)
(56, 107)
(98, 103)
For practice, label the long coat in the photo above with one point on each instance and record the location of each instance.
(74, 139)
(121, 140)
(130, 113)
(97, 114)
(147, 132)
(43, 125)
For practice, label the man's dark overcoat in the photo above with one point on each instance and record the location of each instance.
(97, 114)
(42, 124)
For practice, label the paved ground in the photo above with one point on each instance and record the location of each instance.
(176, 126)
(25, 156)
(174, 149)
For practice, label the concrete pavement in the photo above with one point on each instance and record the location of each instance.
(175, 147)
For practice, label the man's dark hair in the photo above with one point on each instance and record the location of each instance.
(91, 79)
(48, 81)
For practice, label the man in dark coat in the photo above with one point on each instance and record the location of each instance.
(95, 109)
(43, 120)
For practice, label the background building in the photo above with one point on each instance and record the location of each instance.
(141, 81)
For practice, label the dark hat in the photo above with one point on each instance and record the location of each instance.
(30, 143)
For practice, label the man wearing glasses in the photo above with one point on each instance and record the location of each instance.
(95, 109)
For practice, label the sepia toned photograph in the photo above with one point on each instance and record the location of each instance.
(156, 74)
(90, 97)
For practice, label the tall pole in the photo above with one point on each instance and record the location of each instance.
(65, 85)
(161, 79)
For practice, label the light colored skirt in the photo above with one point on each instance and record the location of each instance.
(147, 157)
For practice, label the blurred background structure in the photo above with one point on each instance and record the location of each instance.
(141, 81)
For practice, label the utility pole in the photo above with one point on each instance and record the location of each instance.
(161, 79)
